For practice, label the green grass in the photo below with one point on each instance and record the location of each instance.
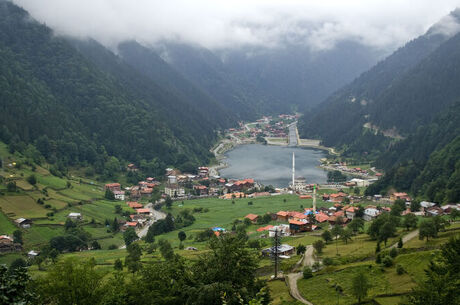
(443, 237)
(6, 226)
(222, 212)
(280, 293)
(320, 289)
(8, 258)
(39, 235)
(52, 182)
(21, 206)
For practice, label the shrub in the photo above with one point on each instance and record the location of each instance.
(387, 261)
(113, 247)
(378, 259)
(399, 269)
(327, 261)
(307, 273)
(393, 252)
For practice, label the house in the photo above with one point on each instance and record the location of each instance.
(339, 197)
(426, 204)
(135, 205)
(233, 195)
(283, 230)
(434, 211)
(119, 195)
(131, 168)
(203, 171)
(75, 216)
(305, 197)
(370, 214)
(360, 182)
(448, 208)
(296, 226)
(32, 254)
(200, 190)
(23, 223)
(396, 196)
(150, 179)
(282, 216)
(282, 250)
(252, 217)
(266, 228)
(132, 224)
(174, 190)
(143, 211)
(191, 249)
(321, 217)
(113, 187)
(8, 245)
(146, 192)
(351, 212)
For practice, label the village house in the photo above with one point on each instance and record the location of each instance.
(434, 211)
(252, 217)
(282, 229)
(132, 224)
(396, 196)
(370, 213)
(448, 208)
(282, 216)
(296, 226)
(119, 195)
(134, 205)
(146, 192)
(283, 251)
(8, 245)
(75, 216)
(233, 195)
(200, 190)
(174, 190)
(23, 223)
(350, 212)
(321, 217)
(426, 204)
(131, 168)
(203, 171)
(32, 254)
(143, 211)
(339, 197)
(113, 187)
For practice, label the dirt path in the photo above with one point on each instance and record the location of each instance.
(292, 278)
(406, 238)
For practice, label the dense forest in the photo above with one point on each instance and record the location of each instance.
(403, 114)
(81, 107)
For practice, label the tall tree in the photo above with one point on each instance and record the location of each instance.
(360, 286)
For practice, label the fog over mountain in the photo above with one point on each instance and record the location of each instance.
(229, 24)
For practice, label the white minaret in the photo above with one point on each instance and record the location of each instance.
(293, 170)
(314, 198)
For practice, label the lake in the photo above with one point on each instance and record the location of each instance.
(269, 164)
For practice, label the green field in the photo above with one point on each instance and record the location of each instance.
(21, 206)
(222, 213)
(6, 226)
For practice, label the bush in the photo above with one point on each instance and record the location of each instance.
(250, 203)
(387, 261)
(327, 261)
(378, 259)
(399, 269)
(393, 252)
(113, 247)
(307, 273)
(32, 179)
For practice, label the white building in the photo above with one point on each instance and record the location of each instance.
(119, 195)
(75, 216)
(174, 191)
(426, 204)
(360, 182)
(283, 230)
(370, 214)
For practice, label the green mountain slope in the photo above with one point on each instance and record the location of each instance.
(397, 95)
(78, 110)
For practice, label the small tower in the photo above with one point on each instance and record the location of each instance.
(293, 170)
(314, 198)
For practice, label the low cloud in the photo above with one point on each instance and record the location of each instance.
(222, 24)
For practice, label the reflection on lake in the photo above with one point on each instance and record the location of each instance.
(273, 164)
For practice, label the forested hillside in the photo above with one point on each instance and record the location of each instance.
(403, 114)
(81, 110)
(402, 92)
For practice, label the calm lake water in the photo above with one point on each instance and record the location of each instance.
(269, 164)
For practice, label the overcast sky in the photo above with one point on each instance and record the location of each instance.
(234, 23)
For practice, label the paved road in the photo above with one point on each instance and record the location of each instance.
(308, 260)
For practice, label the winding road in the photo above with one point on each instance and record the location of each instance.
(307, 260)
